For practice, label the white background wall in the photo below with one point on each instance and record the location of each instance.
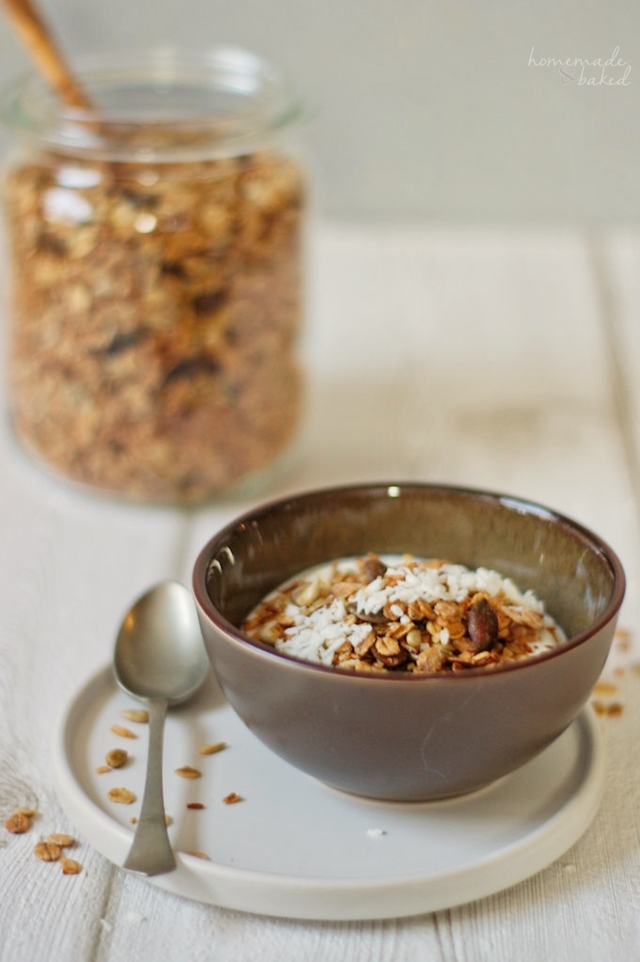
(426, 109)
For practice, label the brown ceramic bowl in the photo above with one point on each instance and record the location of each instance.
(408, 736)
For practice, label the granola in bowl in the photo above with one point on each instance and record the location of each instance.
(403, 614)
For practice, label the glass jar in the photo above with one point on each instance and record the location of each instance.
(155, 248)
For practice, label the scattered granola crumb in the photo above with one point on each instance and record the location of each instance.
(167, 820)
(47, 851)
(604, 688)
(198, 855)
(18, 823)
(212, 749)
(613, 709)
(121, 795)
(139, 715)
(622, 639)
(116, 757)
(61, 839)
(196, 806)
(232, 798)
(51, 848)
(188, 772)
(103, 769)
(123, 732)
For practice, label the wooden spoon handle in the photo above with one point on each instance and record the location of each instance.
(38, 40)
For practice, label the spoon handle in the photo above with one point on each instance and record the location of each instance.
(37, 38)
(151, 852)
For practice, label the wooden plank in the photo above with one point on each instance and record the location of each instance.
(70, 566)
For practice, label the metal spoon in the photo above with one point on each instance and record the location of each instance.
(159, 659)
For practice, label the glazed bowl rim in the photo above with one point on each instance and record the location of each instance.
(525, 506)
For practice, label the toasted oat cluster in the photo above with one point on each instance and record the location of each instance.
(403, 614)
(154, 315)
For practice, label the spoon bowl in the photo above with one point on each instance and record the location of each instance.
(159, 650)
(159, 659)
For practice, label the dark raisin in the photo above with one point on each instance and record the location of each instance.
(121, 342)
(191, 367)
(52, 245)
(173, 269)
(209, 302)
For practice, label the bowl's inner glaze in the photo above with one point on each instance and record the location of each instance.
(567, 567)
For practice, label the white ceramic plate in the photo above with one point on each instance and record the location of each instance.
(295, 848)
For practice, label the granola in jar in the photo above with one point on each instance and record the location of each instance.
(156, 295)
(402, 614)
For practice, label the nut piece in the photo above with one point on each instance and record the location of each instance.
(483, 625)
(188, 772)
(61, 839)
(70, 866)
(116, 757)
(123, 732)
(372, 617)
(212, 749)
(389, 652)
(47, 851)
(18, 823)
(139, 715)
(307, 593)
(121, 795)
(374, 568)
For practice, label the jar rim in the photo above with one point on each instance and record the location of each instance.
(160, 104)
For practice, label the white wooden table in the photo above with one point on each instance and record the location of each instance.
(495, 359)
